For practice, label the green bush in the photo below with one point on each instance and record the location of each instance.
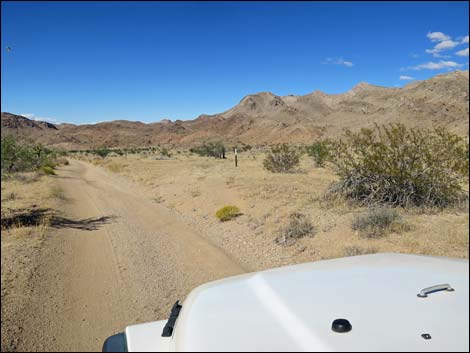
(227, 213)
(299, 226)
(23, 156)
(211, 149)
(282, 159)
(320, 152)
(401, 166)
(102, 152)
(165, 152)
(378, 222)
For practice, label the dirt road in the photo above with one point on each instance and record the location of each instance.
(120, 259)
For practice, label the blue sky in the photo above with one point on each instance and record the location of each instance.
(84, 62)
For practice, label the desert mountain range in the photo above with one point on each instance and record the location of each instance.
(266, 118)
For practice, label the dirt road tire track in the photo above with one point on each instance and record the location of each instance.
(124, 260)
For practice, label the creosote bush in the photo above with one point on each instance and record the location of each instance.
(226, 213)
(320, 152)
(299, 226)
(102, 152)
(165, 152)
(282, 159)
(378, 222)
(399, 166)
(210, 149)
(24, 156)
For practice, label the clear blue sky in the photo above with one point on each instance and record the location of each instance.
(84, 62)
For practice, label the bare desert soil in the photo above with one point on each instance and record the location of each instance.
(124, 238)
(117, 259)
(196, 187)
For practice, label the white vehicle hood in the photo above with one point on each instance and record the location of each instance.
(292, 308)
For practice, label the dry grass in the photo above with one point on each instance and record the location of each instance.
(195, 193)
(267, 200)
(57, 193)
(31, 192)
(158, 199)
(10, 196)
(298, 227)
(357, 250)
(25, 229)
(379, 222)
(115, 167)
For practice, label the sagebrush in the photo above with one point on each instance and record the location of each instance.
(400, 166)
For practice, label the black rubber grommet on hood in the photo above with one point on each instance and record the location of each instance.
(341, 325)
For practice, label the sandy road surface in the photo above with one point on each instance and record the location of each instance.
(125, 259)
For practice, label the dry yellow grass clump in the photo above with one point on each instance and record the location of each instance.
(227, 213)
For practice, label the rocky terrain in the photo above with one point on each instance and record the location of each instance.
(265, 118)
(18, 122)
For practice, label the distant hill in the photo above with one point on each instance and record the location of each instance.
(267, 118)
(12, 121)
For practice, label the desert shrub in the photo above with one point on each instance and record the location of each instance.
(210, 149)
(299, 226)
(24, 156)
(49, 163)
(102, 152)
(282, 159)
(320, 152)
(401, 166)
(244, 147)
(165, 152)
(377, 222)
(226, 213)
(357, 250)
(16, 157)
(48, 170)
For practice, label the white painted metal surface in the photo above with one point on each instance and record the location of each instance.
(146, 338)
(292, 309)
